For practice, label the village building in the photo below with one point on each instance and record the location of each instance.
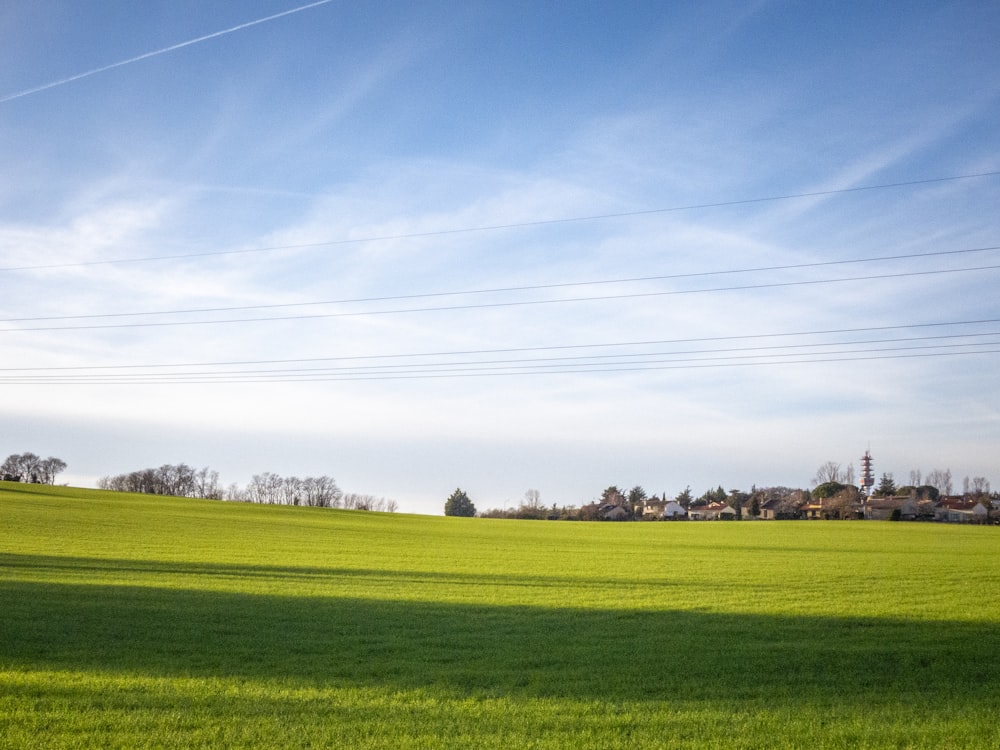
(673, 510)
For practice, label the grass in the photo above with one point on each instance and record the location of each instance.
(132, 621)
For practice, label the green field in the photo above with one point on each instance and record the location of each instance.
(133, 621)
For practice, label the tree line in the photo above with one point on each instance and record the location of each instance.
(27, 467)
(268, 488)
(178, 480)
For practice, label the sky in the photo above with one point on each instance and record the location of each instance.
(501, 246)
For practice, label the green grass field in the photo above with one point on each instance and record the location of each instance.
(131, 621)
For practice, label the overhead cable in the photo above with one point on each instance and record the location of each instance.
(504, 304)
(501, 290)
(502, 226)
(207, 379)
(584, 357)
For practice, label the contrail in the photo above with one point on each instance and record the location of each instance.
(171, 48)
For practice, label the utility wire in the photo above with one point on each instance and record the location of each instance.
(505, 226)
(570, 364)
(502, 290)
(578, 358)
(495, 372)
(401, 361)
(493, 305)
(521, 350)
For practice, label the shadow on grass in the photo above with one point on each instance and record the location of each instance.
(479, 649)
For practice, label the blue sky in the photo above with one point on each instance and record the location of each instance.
(500, 246)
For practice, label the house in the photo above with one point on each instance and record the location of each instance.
(614, 513)
(883, 508)
(711, 512)
(910, 510)
(769, 509)
(812, 509)
(673, 510)
(729, 513)
(652, 509)
(958, 510)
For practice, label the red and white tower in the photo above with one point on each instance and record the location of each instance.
(867, 475)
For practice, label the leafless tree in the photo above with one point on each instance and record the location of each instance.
(828, 472)
(264, 489)
(179, 480)
(841, 505)
(978, 487)
(291, 491)
(941, 479)
(321, 492)
(356, 501)
(49, 468)
(849, 474)
(206, 484)
(26, 467)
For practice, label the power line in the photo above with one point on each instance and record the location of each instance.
(570, 364)
(501, 290)
(377, 364)
(504, 226)
(207, 379)
(577, 358)
(511, 303)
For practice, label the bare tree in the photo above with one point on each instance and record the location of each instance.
(264, 489)
(914, 477)
(206, 484)
(23, 467)
(978, 487)
(533, 499)
(357, 501)
(842, 504)
(828, 472)
(941, 480)
(849, 474)
(30, 467)
(49, 468)
(321, 492)
(291, 491)
(179, 480)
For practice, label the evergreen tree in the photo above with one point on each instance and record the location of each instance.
(886, 486)
(459, 504)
